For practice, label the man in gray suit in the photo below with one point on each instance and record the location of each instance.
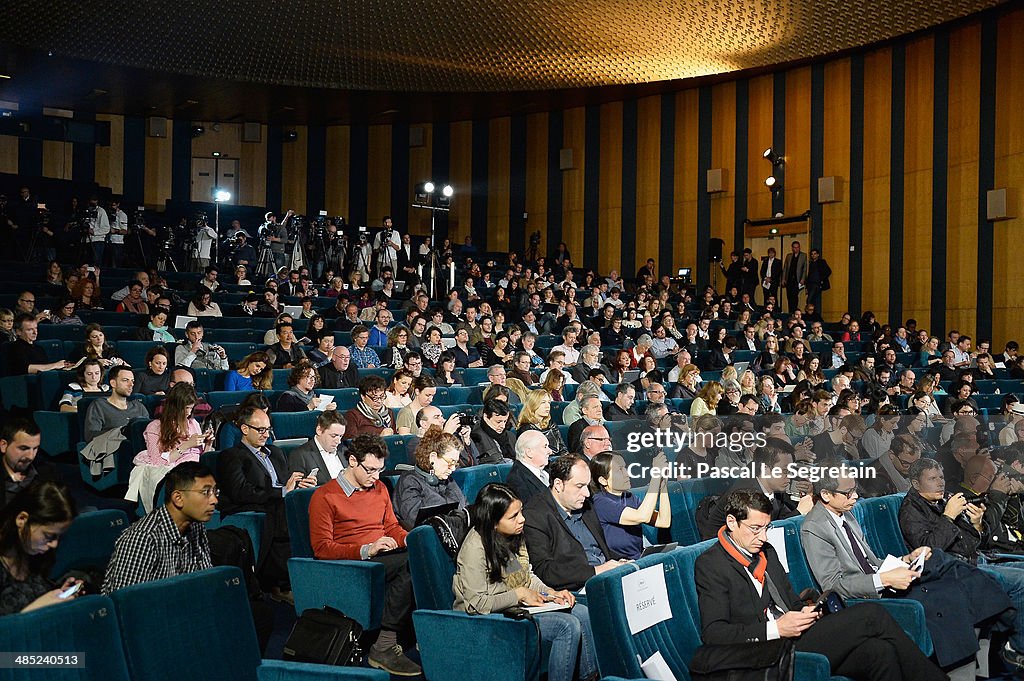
(836, 550)
(794, 275)
(323, 452)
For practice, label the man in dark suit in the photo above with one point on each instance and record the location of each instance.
(323, 452)
(794, 275)
(889, 472)
(771, 276)
(254, 476)
(771, 465)
(528, 476)
(563, 535)
(745, 597)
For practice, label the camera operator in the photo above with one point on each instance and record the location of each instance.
(362, 256)
(997, 486)
(205, 236)
(276, 235)
(99, 229)
(386, 245)
(118, 230)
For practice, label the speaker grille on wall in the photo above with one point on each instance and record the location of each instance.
(417, 136)
(565, 161)
(997, 204)
(716, 180)
(252, 132)
(828, 189)
(156, 126)
(715, 247)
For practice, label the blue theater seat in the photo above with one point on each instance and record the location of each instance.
(89, 541)
(280, 670)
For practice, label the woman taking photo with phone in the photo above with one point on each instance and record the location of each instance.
(493, 574)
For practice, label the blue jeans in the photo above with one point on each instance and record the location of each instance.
(1011, 577)
(570, 637)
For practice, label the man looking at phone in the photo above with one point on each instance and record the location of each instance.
(745, 596)
(321, 457)
(351, 518)
(196, 354)
(254, 477)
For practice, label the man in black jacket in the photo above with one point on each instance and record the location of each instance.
(254, 476)
(340, 372)
(745, 597)
(19, 447)
(928, 518)
(323, 452)
(563, 535)
(528, 476)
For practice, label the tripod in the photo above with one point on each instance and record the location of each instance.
(433, 250)
(265, 261)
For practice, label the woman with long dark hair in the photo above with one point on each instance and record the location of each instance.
(31, 526)
(171, 439)
(493, 574)
(254, 372)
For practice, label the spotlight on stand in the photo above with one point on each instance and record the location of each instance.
(773, 183)
(221, 195)
(430, 196)
(445, 198)
(774, 158)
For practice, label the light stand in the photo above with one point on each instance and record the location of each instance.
(219, 197)
(429, 197)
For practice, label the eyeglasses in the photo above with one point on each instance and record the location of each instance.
(599, 439)
(206, 491)
(376, 396)
(372, 471)
(848, 493)
(26, 300)
(757, 529)
(262, 430)
(966, 412)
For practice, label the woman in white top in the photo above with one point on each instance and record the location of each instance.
(397, 394)
(202, 304)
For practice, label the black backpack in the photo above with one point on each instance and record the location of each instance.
(325, 636)
(451, 529)
(230, 545)
(705, 527)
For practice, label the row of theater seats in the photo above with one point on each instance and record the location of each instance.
(679, 636)
(195, 626)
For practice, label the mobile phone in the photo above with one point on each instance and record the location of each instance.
(70, 591)
(312, 473)
(46, 312)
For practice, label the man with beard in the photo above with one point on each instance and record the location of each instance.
(19, 445)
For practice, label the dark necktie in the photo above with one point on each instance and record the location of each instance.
(858, 553)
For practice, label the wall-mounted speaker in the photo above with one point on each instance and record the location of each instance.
(252, 132)
(998, 204)
(565, 160)
(156, 126)
(828, 189)
(417, 136)
(716, 180)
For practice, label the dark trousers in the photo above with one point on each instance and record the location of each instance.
(398, 599)
(275, 549)
(814, 296)
(865, 643)
(792, 297)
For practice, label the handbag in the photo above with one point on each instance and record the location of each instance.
(755, 661)
(325, 636)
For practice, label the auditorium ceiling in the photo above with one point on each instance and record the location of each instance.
(401, 47)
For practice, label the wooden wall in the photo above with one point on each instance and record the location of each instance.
(916, 133)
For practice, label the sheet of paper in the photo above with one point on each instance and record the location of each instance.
(182, 320)
(891, 562)
(324, 401)
(777, 538)
(547, 607)
(655, 667)
(645, 597)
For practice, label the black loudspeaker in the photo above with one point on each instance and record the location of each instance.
(715, 247)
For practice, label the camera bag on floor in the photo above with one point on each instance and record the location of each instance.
(325, 636)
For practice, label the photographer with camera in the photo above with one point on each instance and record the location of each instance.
(993, 485)
(276, 237)
(98, 228)
(386, 245)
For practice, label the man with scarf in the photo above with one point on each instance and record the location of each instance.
(745, 597)
(370, 416)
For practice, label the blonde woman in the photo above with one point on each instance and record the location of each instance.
(748, 383)
(707, 399)
(536, 415)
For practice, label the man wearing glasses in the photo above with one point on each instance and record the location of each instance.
(171, 540)
(254, 477)
(745, 597)
(351, 518)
